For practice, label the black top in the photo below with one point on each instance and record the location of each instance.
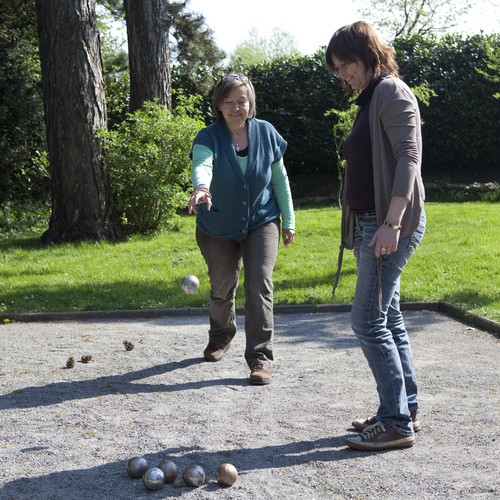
(357, 151)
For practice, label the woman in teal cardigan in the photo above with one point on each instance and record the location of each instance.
(241, 199)
(384, 197)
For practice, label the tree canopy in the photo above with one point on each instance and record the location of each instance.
(256, 49)
(402, 18)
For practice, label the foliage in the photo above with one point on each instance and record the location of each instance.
(492, 73)
(294, 94)
(195, 57)
(148, 159)
(22, 129)
(459, 77)
(402, 18)
(201, 83)
(460, 120)
(256, 49)
(115, 65)
(341, 130)
(23, 219)
(197, 62)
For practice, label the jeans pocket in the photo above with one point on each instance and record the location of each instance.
(416, 237)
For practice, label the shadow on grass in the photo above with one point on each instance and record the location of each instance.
(472, 298)
(100, 296)
(28, 243)
(133, 294)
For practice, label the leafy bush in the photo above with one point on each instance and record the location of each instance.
(22, 128)
(148, 159)
(23, 218)
(459, 131)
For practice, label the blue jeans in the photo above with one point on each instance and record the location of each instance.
(382, 334)
(258, 251)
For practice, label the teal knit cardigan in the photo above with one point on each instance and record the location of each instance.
(240, 203)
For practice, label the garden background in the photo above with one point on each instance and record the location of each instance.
(146, 153)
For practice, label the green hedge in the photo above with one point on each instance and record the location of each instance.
(295, 95)
(460, 122)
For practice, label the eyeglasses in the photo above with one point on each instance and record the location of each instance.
(234, 76)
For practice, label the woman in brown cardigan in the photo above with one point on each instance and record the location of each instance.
(383, 196)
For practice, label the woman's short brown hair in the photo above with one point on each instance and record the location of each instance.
(224, 87)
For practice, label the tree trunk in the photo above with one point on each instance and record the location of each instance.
(75, 107)
(149, 53)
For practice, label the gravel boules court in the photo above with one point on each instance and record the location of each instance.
(68, 429)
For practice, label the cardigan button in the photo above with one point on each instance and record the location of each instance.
(243, 218)
(244, 203)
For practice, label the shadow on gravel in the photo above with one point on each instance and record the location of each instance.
(111, 480)
(51, 394)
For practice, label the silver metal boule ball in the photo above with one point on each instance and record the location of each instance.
(190, 284)
(154, 479)
(136, 467)
(227, 474)
(169, 469)
(194, 475)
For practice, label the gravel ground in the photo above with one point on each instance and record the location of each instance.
(68, 433)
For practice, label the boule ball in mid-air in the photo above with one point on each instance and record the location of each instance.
(194, 475)
(226, 474)
(169, 469)
(136, 467)
(154, 478)
(190, 284)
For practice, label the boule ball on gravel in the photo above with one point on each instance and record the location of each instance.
(170, 470)
(154, 479)
(194, 475)
(226, 474)
(190, 284)
(136, 467)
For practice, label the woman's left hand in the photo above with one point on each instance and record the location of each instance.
(288, 236)
(385, 240)
(386, 237)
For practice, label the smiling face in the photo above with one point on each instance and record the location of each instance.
(235, 107)
(355, 74)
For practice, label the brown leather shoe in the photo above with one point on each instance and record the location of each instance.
(377, 437)
(213, 352)
(260, 375)
(361, 425)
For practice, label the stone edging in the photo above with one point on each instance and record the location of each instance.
(441, 307)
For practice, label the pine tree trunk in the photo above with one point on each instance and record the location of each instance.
(75, 107)
(149, 53)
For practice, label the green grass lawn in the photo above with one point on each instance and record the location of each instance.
(458, 261)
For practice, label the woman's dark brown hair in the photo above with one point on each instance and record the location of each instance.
(359, 41)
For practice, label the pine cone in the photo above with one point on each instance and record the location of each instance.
(86, 358)
(70, 363)
(128, 345)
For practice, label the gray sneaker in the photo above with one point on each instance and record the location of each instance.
(377, 437)
(361, 425)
